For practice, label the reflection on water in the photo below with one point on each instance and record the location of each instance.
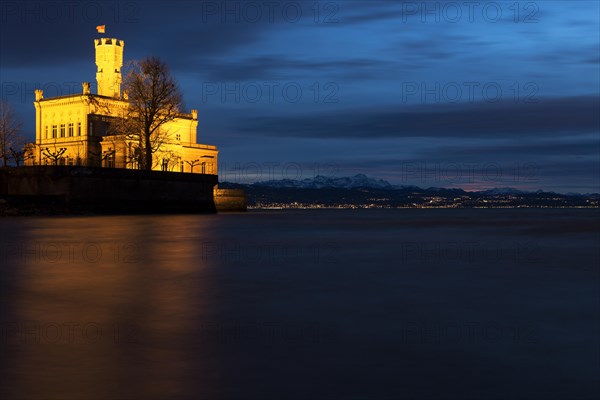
(96, 304)
(301, 304)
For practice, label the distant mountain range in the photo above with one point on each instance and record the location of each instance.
(363, 191)
(361, 181)
(319, 182)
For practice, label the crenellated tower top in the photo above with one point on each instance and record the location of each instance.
(109, 59)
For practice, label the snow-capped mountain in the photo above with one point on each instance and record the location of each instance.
(363, 191)
(362, 181)
(504, 190)
(319, 182)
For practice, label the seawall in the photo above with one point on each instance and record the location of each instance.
(107, 189)
(230, 200)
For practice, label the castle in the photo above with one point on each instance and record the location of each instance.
(79, 129)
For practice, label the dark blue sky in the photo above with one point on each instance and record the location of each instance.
(433, 93)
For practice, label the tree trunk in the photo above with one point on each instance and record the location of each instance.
(148, 153)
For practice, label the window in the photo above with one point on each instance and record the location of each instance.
(79, 129)
(110, 160)
(71, 129)
(62, 130)
(178, 137)
(54, 131)
(46, 132)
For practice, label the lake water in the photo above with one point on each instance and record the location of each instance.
(307, 304)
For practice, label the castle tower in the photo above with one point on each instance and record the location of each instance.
(109, 59)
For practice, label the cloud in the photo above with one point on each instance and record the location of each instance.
(548, 117)
(561, 56)
(178, 31)
(579, 146)
(436, 12)
(270, 67)
(560, 176)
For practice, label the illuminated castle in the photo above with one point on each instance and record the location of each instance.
(79, 129)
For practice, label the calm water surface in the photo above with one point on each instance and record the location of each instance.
(316, 304)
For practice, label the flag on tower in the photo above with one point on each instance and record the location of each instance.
(101, 28)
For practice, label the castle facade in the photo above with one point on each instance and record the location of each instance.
(82, 129)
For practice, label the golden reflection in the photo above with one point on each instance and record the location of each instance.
(106, 307)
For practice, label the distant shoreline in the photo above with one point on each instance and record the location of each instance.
(423, 208)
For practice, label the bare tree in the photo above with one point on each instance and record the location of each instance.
(54, 155)
(169, 160)
(192, 164)
(78, 153)
(21, 156)
(10, 128)
(140, 147)
(154, 99)
(104, 156)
